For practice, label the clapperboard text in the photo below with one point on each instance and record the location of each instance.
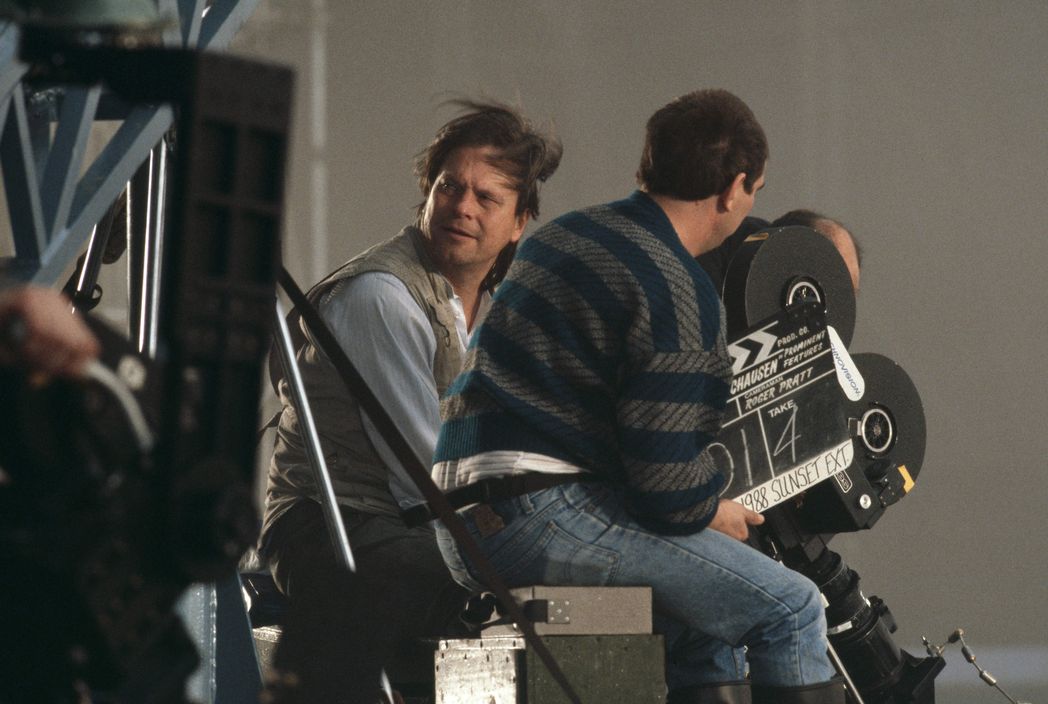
(798, 478)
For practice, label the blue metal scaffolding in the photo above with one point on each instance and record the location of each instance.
(54, 199)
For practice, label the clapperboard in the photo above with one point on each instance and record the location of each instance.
(786, 424)
(801, 410)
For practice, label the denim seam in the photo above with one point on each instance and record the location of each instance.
(611, 557)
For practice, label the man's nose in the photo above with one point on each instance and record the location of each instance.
(466, 204)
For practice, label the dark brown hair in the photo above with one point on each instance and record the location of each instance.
(525, 154)
(696, 145)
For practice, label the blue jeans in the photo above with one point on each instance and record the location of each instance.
(712, 594)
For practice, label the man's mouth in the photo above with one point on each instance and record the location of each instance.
(458, 232)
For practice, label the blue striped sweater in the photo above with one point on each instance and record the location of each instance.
(604, 348)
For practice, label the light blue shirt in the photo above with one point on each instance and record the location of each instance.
(390, 341)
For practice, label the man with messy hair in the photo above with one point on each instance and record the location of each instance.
(403, 312)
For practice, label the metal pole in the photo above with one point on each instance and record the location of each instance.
(90, 264)
(154, 249)
(849, 685)
(146, 207)
(137, 227)
(311, 441)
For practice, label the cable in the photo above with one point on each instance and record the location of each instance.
(98, 372)
(985, 676)
(13, 333)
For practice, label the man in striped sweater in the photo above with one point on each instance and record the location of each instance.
(589, 398)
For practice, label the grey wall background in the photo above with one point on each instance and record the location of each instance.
(921, 125)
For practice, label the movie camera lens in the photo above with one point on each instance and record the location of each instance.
(859, 628)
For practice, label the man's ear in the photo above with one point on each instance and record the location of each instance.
(522, 222)
(727, 199)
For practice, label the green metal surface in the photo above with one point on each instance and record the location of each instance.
(602, 669)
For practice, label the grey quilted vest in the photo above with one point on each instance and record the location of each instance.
(360, 478)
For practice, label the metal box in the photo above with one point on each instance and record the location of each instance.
(603, 669)
(266, 639)
(585, 610)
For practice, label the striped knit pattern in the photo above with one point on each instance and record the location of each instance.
(604, 348)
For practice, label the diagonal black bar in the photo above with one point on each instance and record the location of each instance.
(419, 474)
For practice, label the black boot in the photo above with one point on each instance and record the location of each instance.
(831, 692)
(719, 693)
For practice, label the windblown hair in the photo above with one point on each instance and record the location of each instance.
(527, 155)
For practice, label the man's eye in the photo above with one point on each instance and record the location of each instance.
(446, 186)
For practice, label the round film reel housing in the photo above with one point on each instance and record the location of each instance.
(783, 266)
(890, 415)
(888, 431)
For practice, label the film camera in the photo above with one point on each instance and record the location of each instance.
(820, 441)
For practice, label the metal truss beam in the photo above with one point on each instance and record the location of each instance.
(21, 184)
(53, 202)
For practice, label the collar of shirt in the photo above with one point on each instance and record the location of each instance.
(460, 314)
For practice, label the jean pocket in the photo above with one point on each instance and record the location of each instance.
(574, 560)
(555, 545)
(520, 559)
(557, 558)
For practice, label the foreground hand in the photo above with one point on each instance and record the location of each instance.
(41, 334)
(734, 520)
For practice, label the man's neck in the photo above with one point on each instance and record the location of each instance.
(694, 221)
(467, 288)
(465, 282)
